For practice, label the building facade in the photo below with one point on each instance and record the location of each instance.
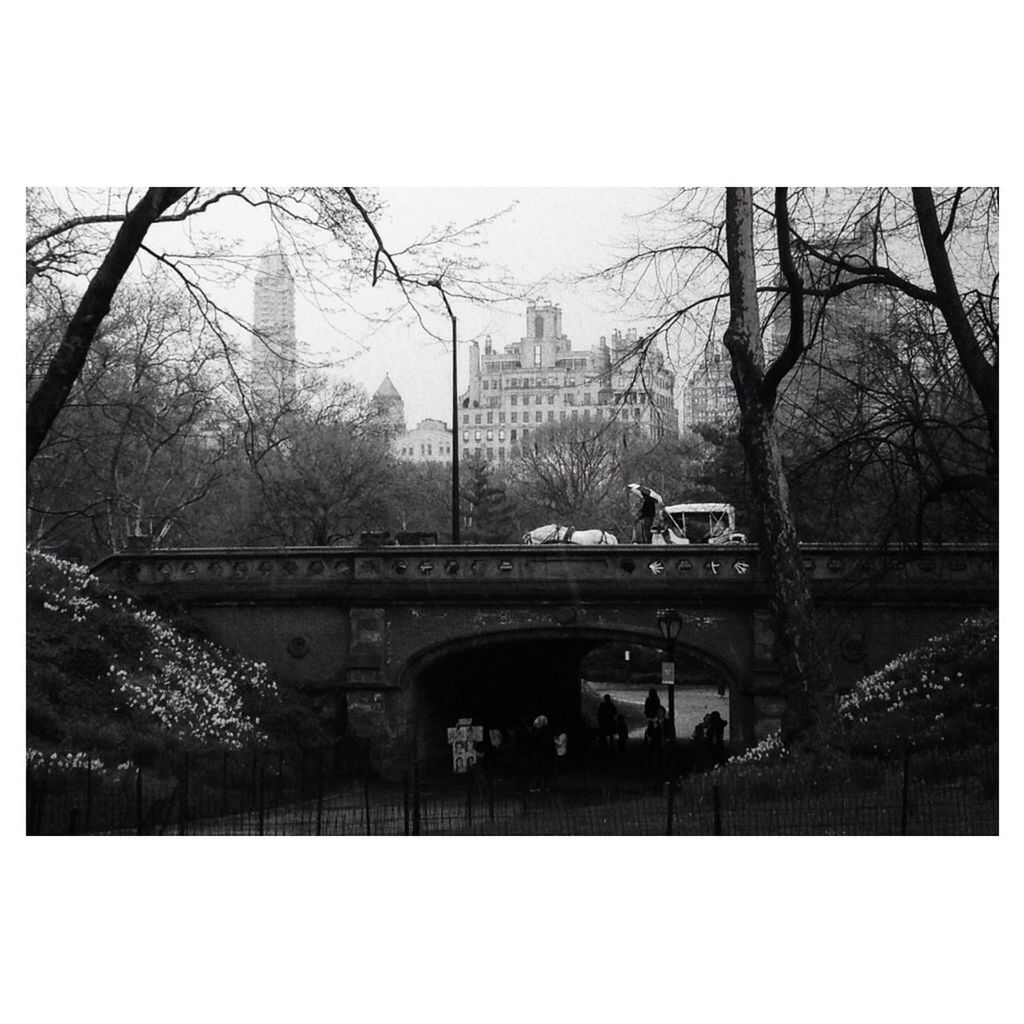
(542, 380)
(708, 395)
(273, 365)
(429, 441)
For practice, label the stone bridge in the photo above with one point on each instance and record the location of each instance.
(400, 641)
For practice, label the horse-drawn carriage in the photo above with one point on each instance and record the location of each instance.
(704, 522)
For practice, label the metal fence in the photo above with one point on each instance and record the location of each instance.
(326, 792)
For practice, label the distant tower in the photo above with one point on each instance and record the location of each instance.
(273, 341)
(388, 405)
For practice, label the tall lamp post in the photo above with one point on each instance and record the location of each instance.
(455, 413)
(669, 624)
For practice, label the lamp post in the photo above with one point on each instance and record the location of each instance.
(669, 624)
(455, 413)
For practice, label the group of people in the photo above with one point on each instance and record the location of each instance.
(533, 751)
(705, 749)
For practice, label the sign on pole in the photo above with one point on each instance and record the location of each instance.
(668, 673)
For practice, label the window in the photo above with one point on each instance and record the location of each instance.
(465, 435)
(551, 399)
(526, 433)
(465, 419)
(575, 413)
(490, 454)
(513, 435)
(490, 435)
(551, 415)
(430, 449)
(515, 417)
(490, 417)
(515, 399)
(536, 355)
(538, 327)
(586, 398)
(476, 436)
(501, 454)
(501, 435)
(538, 416)
(478, 415)
(561, 415)
(586, 414)
(501, 417)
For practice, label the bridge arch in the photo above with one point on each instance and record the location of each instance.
(507, 677)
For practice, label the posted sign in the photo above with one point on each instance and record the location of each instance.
(668, 673)
(463, 739)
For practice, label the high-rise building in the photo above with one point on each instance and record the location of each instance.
(542, 380)
(708, 395)
(273, 339)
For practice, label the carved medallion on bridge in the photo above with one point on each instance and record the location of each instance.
(315, 568)
(713, 566)
(852, 648)
(809, 565)
(835, 565)
(684, 565)
(505, 565)
(289, 567)
(565, 616)
(189, 569)
(627, 565)
(265, 568)
(239, 569)
(477, 568)
(740, 567)
(426, 568)
(341, 567)
(164, 568)
(298, 647)
(451, 567)
(215, 569)
(656, 566)
(401, 567)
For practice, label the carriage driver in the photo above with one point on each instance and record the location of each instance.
(650, 503)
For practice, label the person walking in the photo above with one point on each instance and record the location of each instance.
(714, 730)
(606, 715)
(650, 502)
(652, 705)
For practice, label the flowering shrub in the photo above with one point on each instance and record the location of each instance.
(770, 749)
(944, 693)
(106, 674)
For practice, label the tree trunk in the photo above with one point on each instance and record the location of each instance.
(67, 362)
(983, 376)
(805, 667)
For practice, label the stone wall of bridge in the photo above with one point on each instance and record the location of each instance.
(366, 625)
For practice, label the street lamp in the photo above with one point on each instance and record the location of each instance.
(455, 412)
(669, 624)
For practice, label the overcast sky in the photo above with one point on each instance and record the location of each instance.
(546, 240)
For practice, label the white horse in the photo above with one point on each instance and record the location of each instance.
(555, 534)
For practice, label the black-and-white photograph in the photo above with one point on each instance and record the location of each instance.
(523, 531)
(395, 512)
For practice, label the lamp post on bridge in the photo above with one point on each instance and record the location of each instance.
(669, 624)
(455, 412)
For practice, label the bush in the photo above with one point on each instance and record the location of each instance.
(108, 674)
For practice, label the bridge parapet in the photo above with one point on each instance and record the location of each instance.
(435, 572)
